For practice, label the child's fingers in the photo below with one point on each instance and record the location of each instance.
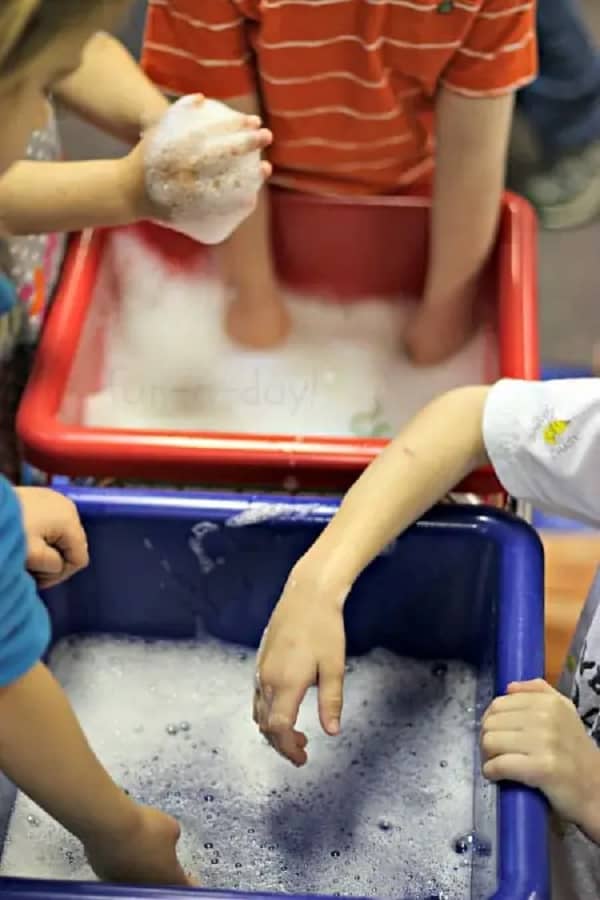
(43, 560)
(216, 156)
(290, 744)
(265, 138)
(331, 695)
(517, 702)
(266, 170)
(73, 545)
(282, 711)
(252, 122)
(512, 767)
(249, 141)
(535, 686)
(500, 743)
(507, 720)
(278, 720)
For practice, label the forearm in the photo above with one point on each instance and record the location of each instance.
(110, 90)
(246, 259)
(44, 752)
(441, 445)
(472, 141)
(40, 197)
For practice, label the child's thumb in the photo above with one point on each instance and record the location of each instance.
(331, 696)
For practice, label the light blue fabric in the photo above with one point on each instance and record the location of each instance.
(563, 105)
(24, 621)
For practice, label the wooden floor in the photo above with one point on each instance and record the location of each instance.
(571, 563)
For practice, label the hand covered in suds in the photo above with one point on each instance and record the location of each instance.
(203, 169)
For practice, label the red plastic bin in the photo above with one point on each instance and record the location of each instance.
(343, 248)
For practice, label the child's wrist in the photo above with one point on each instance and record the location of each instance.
(131, 183)
(153, 112)
(120, 819)
(326, 580)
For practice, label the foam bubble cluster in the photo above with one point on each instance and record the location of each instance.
(374, 813)
(170, 366)
(195, 171)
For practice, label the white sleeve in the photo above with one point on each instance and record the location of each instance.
(543, 439)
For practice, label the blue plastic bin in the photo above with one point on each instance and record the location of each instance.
(463, 583)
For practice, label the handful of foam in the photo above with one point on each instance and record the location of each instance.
(196, 169)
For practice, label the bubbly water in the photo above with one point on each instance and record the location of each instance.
(376, 811)
(169, 365)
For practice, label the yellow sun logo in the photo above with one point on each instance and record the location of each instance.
(554, 431)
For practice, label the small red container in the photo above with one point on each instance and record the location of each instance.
(348, 249)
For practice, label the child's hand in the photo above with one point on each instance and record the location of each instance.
(56, 542)
(304, 644)
(147, 854)
(197, 168)
(534, 736)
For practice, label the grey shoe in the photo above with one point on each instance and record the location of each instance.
(567, 195)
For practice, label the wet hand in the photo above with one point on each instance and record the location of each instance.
(304, 645)
(198, 165)
(534, 736)
(56, 542)
(145, 853)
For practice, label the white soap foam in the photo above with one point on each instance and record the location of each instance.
(169, 365)
(373, 813)
(195, 171)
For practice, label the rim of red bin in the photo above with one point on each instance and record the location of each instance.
(226, 458)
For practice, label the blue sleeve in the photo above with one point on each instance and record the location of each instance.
(24, 621)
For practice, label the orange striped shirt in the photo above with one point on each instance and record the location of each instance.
(348, 86)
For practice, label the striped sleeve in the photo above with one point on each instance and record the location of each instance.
(191, 47)
(499, 54)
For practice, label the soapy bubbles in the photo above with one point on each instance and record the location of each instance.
(372, 815)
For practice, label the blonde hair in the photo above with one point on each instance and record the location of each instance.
(28, 26)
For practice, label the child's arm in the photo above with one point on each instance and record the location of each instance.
(110, 90)
(256, 316)
(223, 67)
(543, 439)
(472, 140)
(534, 736)
(42, 749)
(305, 638)
(37, 197)
(42, 197)
(473, 113)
